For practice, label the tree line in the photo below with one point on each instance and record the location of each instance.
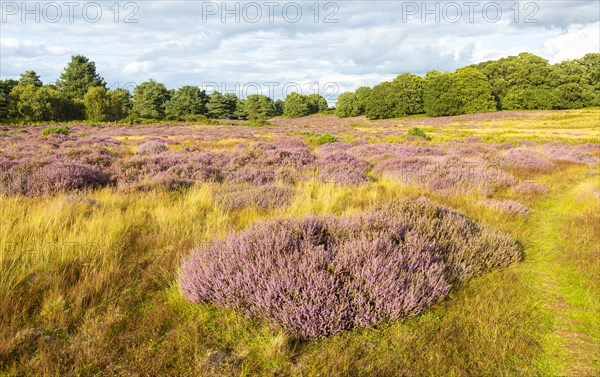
(518, 82)
(523, 82)
(82, 94)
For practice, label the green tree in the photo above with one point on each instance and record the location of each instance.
(6, 86)
(32, 103)
(149, 99)
(591, 76)
(475, 91)
(407, 94)
(573, 96)
(235, 107)
(362, 95)
(347, 105)
(296, 105)
(120, 104)
(259, 107)
(79, 75)
(187, 101)
(316, 103)
(278, 107)
(97, 104)
(221, 106)
(513, 77)
(530, 98)
(240, 109)
(30, 78)
(381, 102)
(442, 95)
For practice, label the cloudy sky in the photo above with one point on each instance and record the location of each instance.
(270, 46)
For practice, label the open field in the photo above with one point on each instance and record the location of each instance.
(94, 226)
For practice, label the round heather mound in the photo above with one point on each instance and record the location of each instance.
(321, 275)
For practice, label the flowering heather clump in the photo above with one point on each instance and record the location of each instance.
(505, 145)
(14, 180)
(523, 158)
(252, 175)
(152, 147)
(322, 275)
(201, 167)
(509, 206)
(57, 177)
(97, 157)
(342, 168)
(337, 147)
(592, 147)
(162, 181)
(265, 197)
(445, 174)
(6, 164)
(529, 187)
(48, 178)
(566, 153)
(138, 168)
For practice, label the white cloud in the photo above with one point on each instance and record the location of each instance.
(574, 43)
(137, 67)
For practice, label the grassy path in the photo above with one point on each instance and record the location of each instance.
(559, 253)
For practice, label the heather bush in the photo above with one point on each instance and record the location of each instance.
(58, 177)
(152, 147)
(56, 130)
(139, 168)
(15, 180)
(49, 178)
(162, 181)
(508, 206)
(325, 139)
(265, 197)
(523, 158)
(446, 173)
(529, 187)
(566, 153)
(342, 168)
(322, 275)
(416, 131)
(97, 157)
(335, 147)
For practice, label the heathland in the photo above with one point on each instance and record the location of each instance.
(462, 245)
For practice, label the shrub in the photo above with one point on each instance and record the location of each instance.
(163, 181)
(152, 147)
(508, 206)
(529, 187)
(522, 158)
(56, 130)
(342, 168)
(322, 275)
(41, 179)
(325, 139)
(416, 131)
(265, 197)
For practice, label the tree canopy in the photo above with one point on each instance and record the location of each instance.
(524, 81)
(79, 75)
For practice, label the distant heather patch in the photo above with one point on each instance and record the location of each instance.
(152, 147)
(508, 206)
